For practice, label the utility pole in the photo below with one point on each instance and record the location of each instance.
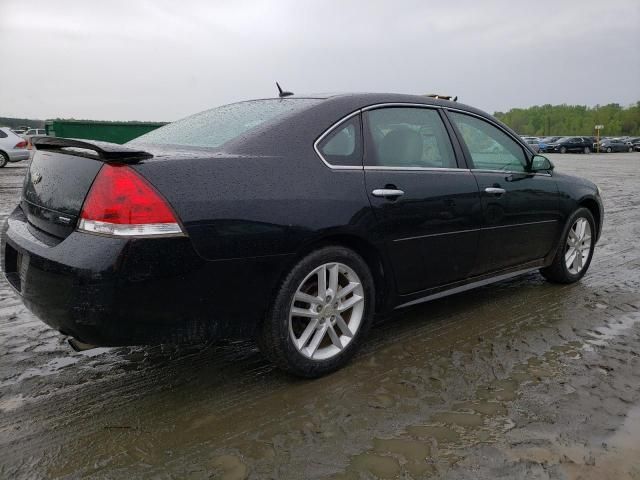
(598, 128)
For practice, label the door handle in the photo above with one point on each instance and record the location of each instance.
(495, 191)
(387, 192)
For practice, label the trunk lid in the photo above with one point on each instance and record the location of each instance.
(60, 176)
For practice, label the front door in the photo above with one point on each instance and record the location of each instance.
(521, 209)
(427, 209)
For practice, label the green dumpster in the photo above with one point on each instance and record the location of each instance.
(115, 132)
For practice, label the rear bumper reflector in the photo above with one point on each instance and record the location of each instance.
(125, 230)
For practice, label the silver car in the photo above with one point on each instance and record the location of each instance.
(533, 142)
(13, 148)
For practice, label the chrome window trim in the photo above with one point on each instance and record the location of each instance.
(400, 104)
(326, 133)
(419, 169)
(484, 170)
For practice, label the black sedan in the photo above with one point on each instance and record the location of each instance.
(571, 145)
(289, 220)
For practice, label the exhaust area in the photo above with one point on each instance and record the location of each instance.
(79, 346)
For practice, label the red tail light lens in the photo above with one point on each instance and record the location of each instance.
(22, 144)
(122, 203)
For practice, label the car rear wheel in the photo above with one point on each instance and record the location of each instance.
(575, 251)
(630, 149)
(321, 313)
(587, 150)
(4, 158)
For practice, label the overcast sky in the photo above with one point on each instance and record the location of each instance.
(163, 60)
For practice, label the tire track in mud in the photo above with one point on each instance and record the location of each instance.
(167, 411)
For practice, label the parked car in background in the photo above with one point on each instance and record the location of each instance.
(35, 131)
(13, 148)
(533, 142)
(571, 145)
(289, 220)
(545, 141)
(615, 145)
(632, 141)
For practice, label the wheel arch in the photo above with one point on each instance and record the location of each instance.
(592, 205)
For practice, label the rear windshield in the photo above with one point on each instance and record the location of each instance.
(217, 126)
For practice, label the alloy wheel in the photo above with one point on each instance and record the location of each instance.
(578, 246)
(327, 311)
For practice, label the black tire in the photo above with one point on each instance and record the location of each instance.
(4, 159)
(630, 149)
(587, 150)
(274, 339)
(558, 271)
(609, 150)
(563, 149)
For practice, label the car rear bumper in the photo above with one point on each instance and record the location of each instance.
(111, 291)
(17, 155)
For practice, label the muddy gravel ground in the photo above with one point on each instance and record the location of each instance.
(522, 379)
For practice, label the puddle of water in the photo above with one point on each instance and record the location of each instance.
(602, 335)
(50, 368)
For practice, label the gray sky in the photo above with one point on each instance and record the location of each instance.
(163, 60)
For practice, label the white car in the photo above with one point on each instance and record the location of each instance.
(13, 148)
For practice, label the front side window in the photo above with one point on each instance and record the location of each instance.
(343, 146)
(408, 137)
(490, 147)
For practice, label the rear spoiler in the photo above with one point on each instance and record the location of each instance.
(107, 152)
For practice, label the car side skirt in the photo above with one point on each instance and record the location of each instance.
(476, 282)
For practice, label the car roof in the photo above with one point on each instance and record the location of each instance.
(372, 98)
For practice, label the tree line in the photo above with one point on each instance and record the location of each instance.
(549, 120)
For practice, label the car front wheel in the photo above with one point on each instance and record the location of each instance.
(563, 150)
(575, 250)
(321, 313)
(609, 150)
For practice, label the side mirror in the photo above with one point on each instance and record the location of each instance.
(540, 163)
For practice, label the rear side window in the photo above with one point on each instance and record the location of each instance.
(2, 134)
(343, 145)
(408, 137)
(220, 125)
(490, 147)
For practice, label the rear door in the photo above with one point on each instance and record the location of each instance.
(521, 210)
(426, 207)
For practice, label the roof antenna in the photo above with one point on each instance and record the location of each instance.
(282, 93)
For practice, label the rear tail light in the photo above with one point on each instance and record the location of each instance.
(22, 144)
(122, 203)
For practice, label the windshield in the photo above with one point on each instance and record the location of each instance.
(215, 127)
